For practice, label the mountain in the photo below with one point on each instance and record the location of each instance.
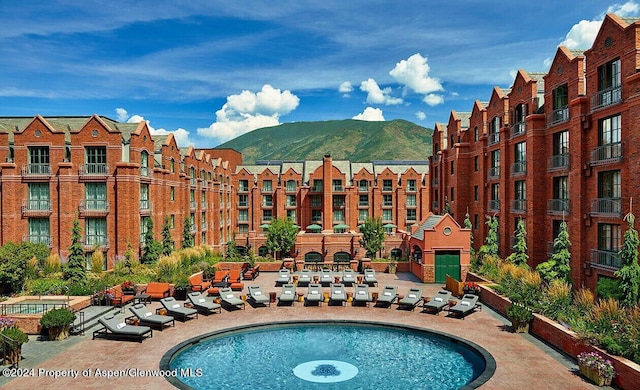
(358, 141)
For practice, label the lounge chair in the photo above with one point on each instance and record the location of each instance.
(348, 277)
(388, 296)
(118, 329)
(197, 283)
(220, 277)
(202, 304)
(158, 290)
(174, 309)
(326, 277)
(258, 297)
(437, 302)
(147, 318)
(288, 294)
(251, 273)
(338, 295)
(284, 277)
(119, 298)
(362, 294)
(229, 299)
(370, 277)
(411, 300)
(467, 304)
(314, 294)
(305, 278)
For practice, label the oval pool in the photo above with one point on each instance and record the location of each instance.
(328, 355)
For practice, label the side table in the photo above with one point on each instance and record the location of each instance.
(141, 298)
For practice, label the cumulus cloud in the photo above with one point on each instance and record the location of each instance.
(249, 111)
(414, 74)
(582, 34)
(370, 114)
(345, 88)
(181, 135)
(421, 115)
(376, 95)
(433, 100)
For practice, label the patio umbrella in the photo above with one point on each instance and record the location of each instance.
(264, 226)
(314, 226)
(341, 226)
(389, 226)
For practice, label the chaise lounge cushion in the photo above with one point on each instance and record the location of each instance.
(158, 290)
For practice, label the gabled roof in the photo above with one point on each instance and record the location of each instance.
(427, 224)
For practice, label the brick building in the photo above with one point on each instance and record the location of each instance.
(112, 177)
(556, 146)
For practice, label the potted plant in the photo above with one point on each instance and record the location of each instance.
(57, 322)
(181, 286)
(593, 366)
(12, 340)
(471, 288)
(392, 266)
(520, 317)
(128, 287)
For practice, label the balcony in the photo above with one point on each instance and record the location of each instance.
(387, 188)
(338, 188)
(411, 188)
(364, 189)
(557, 206)
(93, 207)
(605, 98)
(609, 260)
(36, 171)
(557, 116)
(192, 205)
(518, 129)
(93, 171)
(558, 162)
(203, 206)
(606, 207)
(387, 203)
(519, 205)
(243, 204)
(145, 206)
(94, 240)
(606, 154)
(203, 226)
(146, 172)
(494, 138)
(38, 239)
(494, 173)
(36, 208)
(363, 203)
(494, 205)
(267, 203)
(518, 168)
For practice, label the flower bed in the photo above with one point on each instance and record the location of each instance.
(595, 367)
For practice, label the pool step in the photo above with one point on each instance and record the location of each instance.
(91, 316)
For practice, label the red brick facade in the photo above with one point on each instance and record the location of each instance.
(553, 147)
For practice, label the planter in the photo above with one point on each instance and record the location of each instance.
(520, 326)
(594, 376)
(12, 356)
(180, 294)
(58, 333)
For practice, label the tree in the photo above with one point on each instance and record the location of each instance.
(559, 265)
(281, 236)
(490, 246)
(232, 249)
(372, 236)
(187, 236)
(447, 206)
(13, 264)
(152, 248)
(519, 256)
(629, 272)
(167, 242)
(469, 225)
(76, 271)
(128, 259)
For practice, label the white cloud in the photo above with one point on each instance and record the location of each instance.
(582, 34)
(433, 99)
(121, 114)
(414, 74)
(376, 95)
(249, 111)
(345, 87)
(421, 115)
(181, 135)
(370, 114)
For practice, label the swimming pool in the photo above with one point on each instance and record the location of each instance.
(328, 355)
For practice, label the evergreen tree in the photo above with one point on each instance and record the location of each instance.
(232, 249)
(281, 236)
(519, 256)
(128, 259)
(447, 206)
(76, 269)
(490, 246)
(559, 265)
(187, 236)
(469, 225)
(629, 272)
(167, 242)
(372, 236)
(152, 248)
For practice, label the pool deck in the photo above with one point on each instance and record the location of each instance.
(522, 361)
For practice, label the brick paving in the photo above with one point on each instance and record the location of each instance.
(522, 361)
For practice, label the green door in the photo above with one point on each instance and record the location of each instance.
(447, 262)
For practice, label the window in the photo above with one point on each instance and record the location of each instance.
(411, 200)
(291, 201)
(172, 166)
(243, 200)
(560, 107)
(39, 196)
(609, 184)
(39, 231)
(476, 135)
(95, 160)
(144, 163)
(411, 185)
(494, 171)
(203, 199)
(363, 200)
(316, 215)
(476, 194)
(476, 163)
(609, 75)
(452, 194)
(337, 185)
(475, 221)
(609, 131)
(608, 237)
(95, 231)
(291, 185)
(243, 229)
(387, 185)
(316, 200)
(267, 200)
(192, 199)
(291, 214)
(338, 215)
(338, 201)
(451, 141)
(172, 193)
(39, 160)
(519, 114)
(387, 215)
(317, 185)
(144, 228)
(144, 197)
(560, 146)
(560, 188)
(267, 186)
(243, 215)
(411, 214)
(494, 130)
(363, 185)
(243, 185)
(387, 200)
(363, 215)
(451, 167)
(95, 195)
(520, 196)
(172, 221)
(520, 157)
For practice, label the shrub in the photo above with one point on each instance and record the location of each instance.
(56, 318)
(556, 300)
(97, 261)
(52, 264)
(608, 288)
(518, 312)
(14, 333)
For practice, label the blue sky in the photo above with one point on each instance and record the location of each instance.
(212, 70)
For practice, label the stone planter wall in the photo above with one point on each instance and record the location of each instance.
(272, 266)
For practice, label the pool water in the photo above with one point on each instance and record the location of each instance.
(328, 356)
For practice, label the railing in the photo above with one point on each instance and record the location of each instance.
(518, 168)
(316, 188)
(267, 204)
(387, 189)
(92, 240)
(35, 207)
(607, 153)
(363, 189)
(606, 97)
(267, 189)
(434, 205)
(316, 204)
(519, 205)
(243, 189)
(203, 206)
(605, 259)
(193, 205)
(558, 205)
(38, 239)
(145, 204)
(31, 170)
(518, 129)
(243, 204)
(387, 203)
(145, 172)
(606, 206)
(363, 204)
(559, 161)
(338, 205)
(494, 173)
(291, 204)
(338, 188)
(557, 116)
(411, 188)
(494, 138)
(93, 207)
(93, 170)
(494, 205)
(8, 344)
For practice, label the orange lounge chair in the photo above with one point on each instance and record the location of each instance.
(158, 290)
(235, 280)
(197, 283)
(220, 277)
(119, 298)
